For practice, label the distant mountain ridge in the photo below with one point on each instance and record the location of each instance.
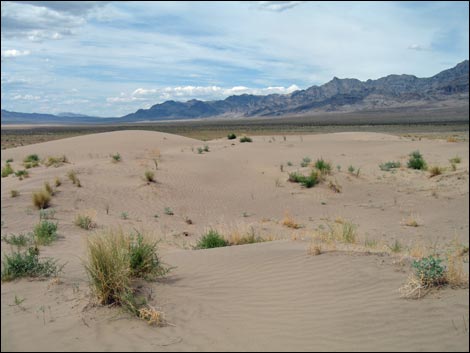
(447, 88)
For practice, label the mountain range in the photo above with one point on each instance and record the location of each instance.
(447, 88)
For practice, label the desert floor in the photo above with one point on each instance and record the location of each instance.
(264, 296)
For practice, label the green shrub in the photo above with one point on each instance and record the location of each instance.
(305, 162)
(41, 199)
(295, 177)
(351, 169)
(124, 215)
(57, 182)
(289, 163)
(245, 139)
(149, 176)
(144, 259)
(231, 136)
(454, 160)
(48, 188)
(430, 271)
(323, 166)
(211, 240)
(21, 239)
(31, 161)
(387, 166)
(84, 222)
(396, 247)
(436, 170)
(9, 160)
(20, 174)
(45, 232)
(46, 214)
(116, 157)
(27, 264)
(56, 161)
(416, 161)
(7, 170)
(206, 148)
(14, 193)
(306, 181)
(169, 211)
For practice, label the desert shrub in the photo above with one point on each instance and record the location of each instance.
(435, 171)
(55, 161)
(21, 239)
(396, 247)
(323, 166)
(343, 231)
(14, 193)
(149, 176)
(310, 180)
(31, 161)
(72, 175)
(289, 222)
(351, 169)
(430, 271)
(124, 215)
(48, 188)
(41, 199)
(206, 148)
(231, 136)
(289, 163)
(416, 161)
(144, 259)
(27, 264)
(46, 214)
(200, 150)
(335, 186)
(455, 160)
(85, 222)
(7, 170)
(45, 232)
(9, 160)
(116, 157)
(387, 166)
(211, 240)
(295, 177)
(245, 139)
(305, 162)
(57, 182)
(168, 211)
(20, 174)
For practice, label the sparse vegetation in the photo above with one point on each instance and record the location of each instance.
(211, 240)
(31, 161)
(289, 222)
(323, 166)
(46, 214)
(200, 150)
(116, 157)
(430, 271)
(48, 188)
(21, 174)
(9, 160)
(149, 176)
(206, 148)
(305, 162)
(7, 170)
(396, 247)
(245, 139)
(231, 136)
(455, 160)
(41, 199)
(72, 175)
(416, 161)
(124, 215)
(27, 264)
(144, 260)
(289, 163)
(314, 249)
(14, 193)
(387, 166)
(351, 169)
(85, 222)
(335, 186)
(306, 181)
(435, 171)
(19, 240)
(57, 182)
(45, 232)
(56, 161)
(168, 211)
(343, 231)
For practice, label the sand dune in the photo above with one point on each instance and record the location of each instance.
(268, 296)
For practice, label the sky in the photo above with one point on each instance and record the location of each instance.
(108, 59)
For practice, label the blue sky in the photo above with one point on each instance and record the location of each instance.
(112, 58)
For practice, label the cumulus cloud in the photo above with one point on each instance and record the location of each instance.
(277, 5)
(183, 93)
(416, 47)
(13, 53)
(25, 97)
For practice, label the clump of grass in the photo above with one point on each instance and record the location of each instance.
(455, 160)
(7, 170)
(452, 139)
(124, 215)
(19, 240)
(206, 148)
(56, 161)
(48, 188)
(343, 231)
(45, 232)
(289, 163)
(305, 162)
(72, 175)
(306, 181)
(242, 236)
(31, 161)
(85, 221)
(168, 211)
(314, 249)
(289, 222)
(396, 247)
(335, 186)
(231, 136)
(14, 193)
(46, 214)
(351, 169)
(149, 176)
(116, 157)
(57, 182)
(144, 259)
(245, 139)
(41, 199)
(435, 171)
(27, 264)
(200, 150)
(411, 221)
(323, 166)
(416, 161)
(9, 160)
(455, 274)
(210, 240)
(22, 174)
(387, 166)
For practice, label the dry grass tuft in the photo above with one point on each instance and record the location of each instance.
(456, 276)
(411, 221)
(152, 316)
(86, 220)
(414, 288)
(288, 221)
(435, 171)
(314, 249)
(41, 199)
(335, 186)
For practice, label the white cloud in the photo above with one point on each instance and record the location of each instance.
(183, 93)
(277, 6)
(417, 47)
(13, 53)
(26, 97)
